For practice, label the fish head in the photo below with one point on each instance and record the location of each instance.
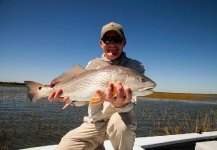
(139, 84)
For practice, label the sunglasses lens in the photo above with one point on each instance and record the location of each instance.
(116, 39)
(107, 40)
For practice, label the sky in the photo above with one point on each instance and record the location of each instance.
(176, 40)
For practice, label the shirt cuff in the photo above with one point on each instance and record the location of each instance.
(127, 108)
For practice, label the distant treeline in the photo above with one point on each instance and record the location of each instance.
(11, 84)
(183, 96)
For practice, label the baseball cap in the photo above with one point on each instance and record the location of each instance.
(112, 26)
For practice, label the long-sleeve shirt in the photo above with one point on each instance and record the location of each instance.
(104, 110)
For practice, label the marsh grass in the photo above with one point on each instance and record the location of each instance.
(179, 118)
(202, 123)
(183, 96)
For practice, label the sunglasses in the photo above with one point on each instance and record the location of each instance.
(109, 39)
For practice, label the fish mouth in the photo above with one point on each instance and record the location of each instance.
(145, 89)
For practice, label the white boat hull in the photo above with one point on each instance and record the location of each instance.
(156, 141)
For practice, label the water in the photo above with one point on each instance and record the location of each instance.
(26, 124)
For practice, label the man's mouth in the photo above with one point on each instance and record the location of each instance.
(113, 51)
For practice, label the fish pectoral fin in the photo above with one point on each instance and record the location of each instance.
(100, 96)
(68, 102)
(114, 92)
(97, 98)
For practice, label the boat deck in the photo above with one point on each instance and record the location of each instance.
(174, 142)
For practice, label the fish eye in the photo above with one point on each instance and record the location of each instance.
(142, 79)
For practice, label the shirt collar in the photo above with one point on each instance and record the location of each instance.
(117, 61)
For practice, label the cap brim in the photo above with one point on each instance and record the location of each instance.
(112, 30)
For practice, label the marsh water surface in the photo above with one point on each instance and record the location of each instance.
(26, 124)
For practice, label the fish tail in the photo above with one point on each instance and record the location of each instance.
(34, 90)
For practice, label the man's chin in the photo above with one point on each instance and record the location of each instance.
(112, 53)
(112, 57)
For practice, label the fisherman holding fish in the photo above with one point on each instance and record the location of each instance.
(110, 111)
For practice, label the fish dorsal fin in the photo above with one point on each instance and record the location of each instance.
(69, 74)
(96, 64)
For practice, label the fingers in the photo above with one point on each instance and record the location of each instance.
(51, 96)
(120, 90)
(58, 93)
(110, 89)
(64, 99)
(100, 94)
(123, 95)
(56, 96)
(128, 93)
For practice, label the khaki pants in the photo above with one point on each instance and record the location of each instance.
(120, 130)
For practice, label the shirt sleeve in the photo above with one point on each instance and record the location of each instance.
(127, 108)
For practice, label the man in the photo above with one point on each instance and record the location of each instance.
(112, 119)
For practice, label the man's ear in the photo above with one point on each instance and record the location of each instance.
(125, 42)
(101, 43)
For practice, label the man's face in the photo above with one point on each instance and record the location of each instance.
(112, 50)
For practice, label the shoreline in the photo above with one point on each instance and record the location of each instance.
(155, 95)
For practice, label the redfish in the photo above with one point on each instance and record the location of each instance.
(80, 84)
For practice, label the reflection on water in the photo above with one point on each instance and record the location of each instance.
(27, 124)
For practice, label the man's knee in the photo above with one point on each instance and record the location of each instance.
(122, 123)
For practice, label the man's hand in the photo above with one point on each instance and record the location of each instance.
(56, 95)
(123, 96)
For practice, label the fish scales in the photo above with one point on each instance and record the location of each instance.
(86, 84)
